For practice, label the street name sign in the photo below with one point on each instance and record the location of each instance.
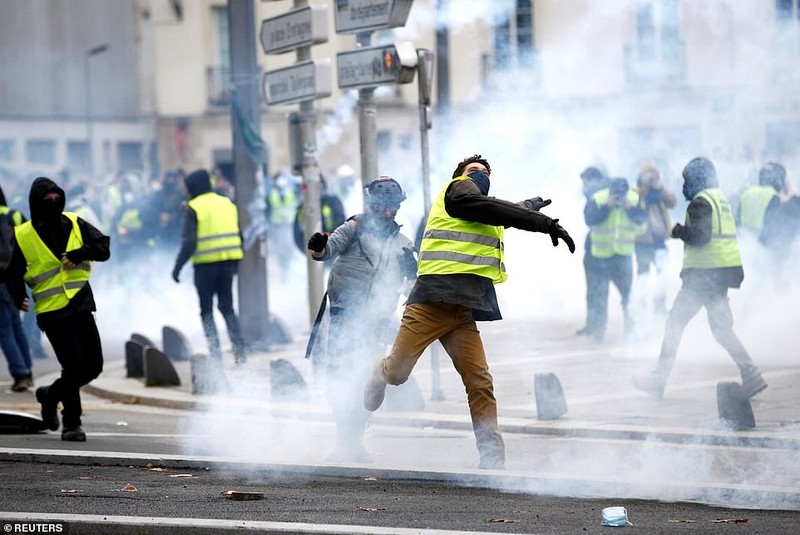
(353, 16)
(297, 83)
(305, 26)
(377, 65)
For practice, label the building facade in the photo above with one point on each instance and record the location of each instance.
(91, 87)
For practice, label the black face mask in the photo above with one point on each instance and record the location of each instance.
(689, 191)
(50, 210)
(481, 179)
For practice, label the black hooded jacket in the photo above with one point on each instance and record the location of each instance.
(54, 229)
(197, 183)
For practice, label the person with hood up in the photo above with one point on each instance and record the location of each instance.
(211, 238)
(711, 265)
(13, 340)
(461, 259)
(52, 254)
(371, 260)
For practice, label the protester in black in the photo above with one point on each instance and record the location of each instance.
(65, 312)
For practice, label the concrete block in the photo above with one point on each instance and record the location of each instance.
(550, 400)
(208, 375)
(734, 407)
(134, 359)
(142, 339)
(175, 344)
(158, 370)
(286, 381)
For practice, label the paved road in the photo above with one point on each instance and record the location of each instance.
(670, 462)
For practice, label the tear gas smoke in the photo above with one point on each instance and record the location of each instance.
(533, 151)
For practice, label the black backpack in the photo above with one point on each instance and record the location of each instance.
(6, 235)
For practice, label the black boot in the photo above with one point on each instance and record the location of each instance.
(73, 434)
(49, 409)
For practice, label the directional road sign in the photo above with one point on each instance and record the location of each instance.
(354, 16)
(305, 26)
(377, 65)
(303, 81)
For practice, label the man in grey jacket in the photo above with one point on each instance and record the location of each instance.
(371, 260)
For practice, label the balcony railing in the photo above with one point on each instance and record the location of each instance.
(218, 86)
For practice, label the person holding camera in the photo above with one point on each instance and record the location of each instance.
(615, 217)
(651, 248)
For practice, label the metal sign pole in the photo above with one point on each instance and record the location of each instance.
(367, 125)
(424, 83)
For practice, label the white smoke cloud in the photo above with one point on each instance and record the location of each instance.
(537, 151)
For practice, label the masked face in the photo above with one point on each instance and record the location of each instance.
(689, 191)
(482, 180)
(51, 207)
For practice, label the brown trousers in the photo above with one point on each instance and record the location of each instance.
(453, 326)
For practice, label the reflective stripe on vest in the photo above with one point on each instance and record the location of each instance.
(753, 206)
(723, 248)
(616, 235)
(453, 246)
(217, 229)
(52, 284)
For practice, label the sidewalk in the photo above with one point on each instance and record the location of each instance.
(600, 402)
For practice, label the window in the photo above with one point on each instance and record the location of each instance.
(645, 32)
(41, 151)
(78, 155)
(130, 156)
(6, 150)
(219, 74)
(786, 10)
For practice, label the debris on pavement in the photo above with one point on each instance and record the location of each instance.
(241, 496)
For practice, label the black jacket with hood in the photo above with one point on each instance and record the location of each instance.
(54, 229)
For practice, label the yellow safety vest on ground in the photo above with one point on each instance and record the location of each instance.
(753, 207)
(217, 229)
(617, 234)
(453, 246)
(723, 248)
(52, 284)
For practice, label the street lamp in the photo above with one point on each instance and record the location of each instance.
(99, 49)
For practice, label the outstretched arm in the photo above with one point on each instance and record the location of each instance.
(465, 201)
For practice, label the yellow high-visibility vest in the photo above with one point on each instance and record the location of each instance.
(453, 246)
(282, 209)
(723, 248)
(753, 206)
(217, 229)
(616, 235)
(52, 284)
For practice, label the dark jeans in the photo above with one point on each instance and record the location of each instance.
(690, 299)
(76, 343)
(13, 341)
(216, 278)
(599, 273)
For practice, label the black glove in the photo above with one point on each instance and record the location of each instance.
(176, 274)
(76, 256)
(317, 242)
(557, 231)
(536, 203)
(408, 263)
